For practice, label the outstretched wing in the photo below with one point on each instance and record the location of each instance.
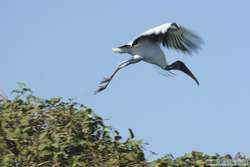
(172, 36)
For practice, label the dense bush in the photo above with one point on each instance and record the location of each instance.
(41, 133)
(37, 132)
(199, 159)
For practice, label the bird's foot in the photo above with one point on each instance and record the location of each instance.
(105, 80)
(101, 88)
(103, 84)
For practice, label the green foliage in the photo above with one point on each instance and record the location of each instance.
(199, 159)
(53, 133)
(37, 132)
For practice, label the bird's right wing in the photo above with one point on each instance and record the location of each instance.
(172, 36)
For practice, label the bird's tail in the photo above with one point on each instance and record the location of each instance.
(121, 49)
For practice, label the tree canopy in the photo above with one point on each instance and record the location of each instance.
(36, 132)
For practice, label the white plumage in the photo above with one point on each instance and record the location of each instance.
(147, 47)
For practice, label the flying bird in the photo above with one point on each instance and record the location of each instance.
(148, 48)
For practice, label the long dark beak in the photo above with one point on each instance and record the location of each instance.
(179, 65)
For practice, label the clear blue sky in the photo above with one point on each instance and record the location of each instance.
(63, 48)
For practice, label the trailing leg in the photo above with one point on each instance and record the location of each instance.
(105, 82)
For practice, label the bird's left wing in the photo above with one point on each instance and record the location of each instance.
(172, 36)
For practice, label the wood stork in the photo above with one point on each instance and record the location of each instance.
(147, 47)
